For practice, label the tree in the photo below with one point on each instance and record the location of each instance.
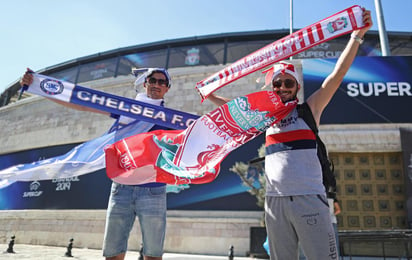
(253, 176)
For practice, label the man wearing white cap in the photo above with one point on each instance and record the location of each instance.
(146, 201)
(296, 208)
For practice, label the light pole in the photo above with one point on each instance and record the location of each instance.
(291, 20)
(383, 36)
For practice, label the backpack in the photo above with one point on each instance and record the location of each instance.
(328, 176)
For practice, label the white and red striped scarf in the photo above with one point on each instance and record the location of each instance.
(334, 26)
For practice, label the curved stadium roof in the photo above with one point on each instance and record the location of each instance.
(195, 51)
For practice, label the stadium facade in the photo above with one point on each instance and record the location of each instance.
(367, 129)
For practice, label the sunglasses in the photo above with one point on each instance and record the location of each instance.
(160, 82)
(289, 83)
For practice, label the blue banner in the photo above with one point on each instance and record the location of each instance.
(375, 90)
(91, 191)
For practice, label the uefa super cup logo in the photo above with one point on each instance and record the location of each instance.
(34, 190)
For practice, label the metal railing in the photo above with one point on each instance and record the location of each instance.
(385, 244)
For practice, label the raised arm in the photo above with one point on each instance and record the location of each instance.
(217, 100)
(321, 97)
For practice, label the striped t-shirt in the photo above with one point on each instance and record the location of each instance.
(291, 163)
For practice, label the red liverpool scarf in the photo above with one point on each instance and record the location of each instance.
(194, 155)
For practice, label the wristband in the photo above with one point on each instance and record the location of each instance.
(357, 38)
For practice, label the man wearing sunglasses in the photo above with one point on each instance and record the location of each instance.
(147, 201)
(156, 85)
(296, 208)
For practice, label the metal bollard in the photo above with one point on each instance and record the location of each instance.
(69, 248)
(231, 253)
(11, 244)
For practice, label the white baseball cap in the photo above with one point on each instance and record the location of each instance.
(143, 73)
(281, 68)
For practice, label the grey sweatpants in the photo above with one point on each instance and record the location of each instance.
(303, 219)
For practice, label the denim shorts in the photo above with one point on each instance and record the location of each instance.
(125, 204)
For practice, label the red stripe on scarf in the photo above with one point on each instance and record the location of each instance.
(352, 19)
(301, 40)
(310, 35)
(320, 32)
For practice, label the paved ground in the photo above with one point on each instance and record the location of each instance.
(57, 253)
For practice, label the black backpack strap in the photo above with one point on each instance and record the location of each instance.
(305, 113)
(329, 180)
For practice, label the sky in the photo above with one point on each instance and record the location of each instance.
(42, 33)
